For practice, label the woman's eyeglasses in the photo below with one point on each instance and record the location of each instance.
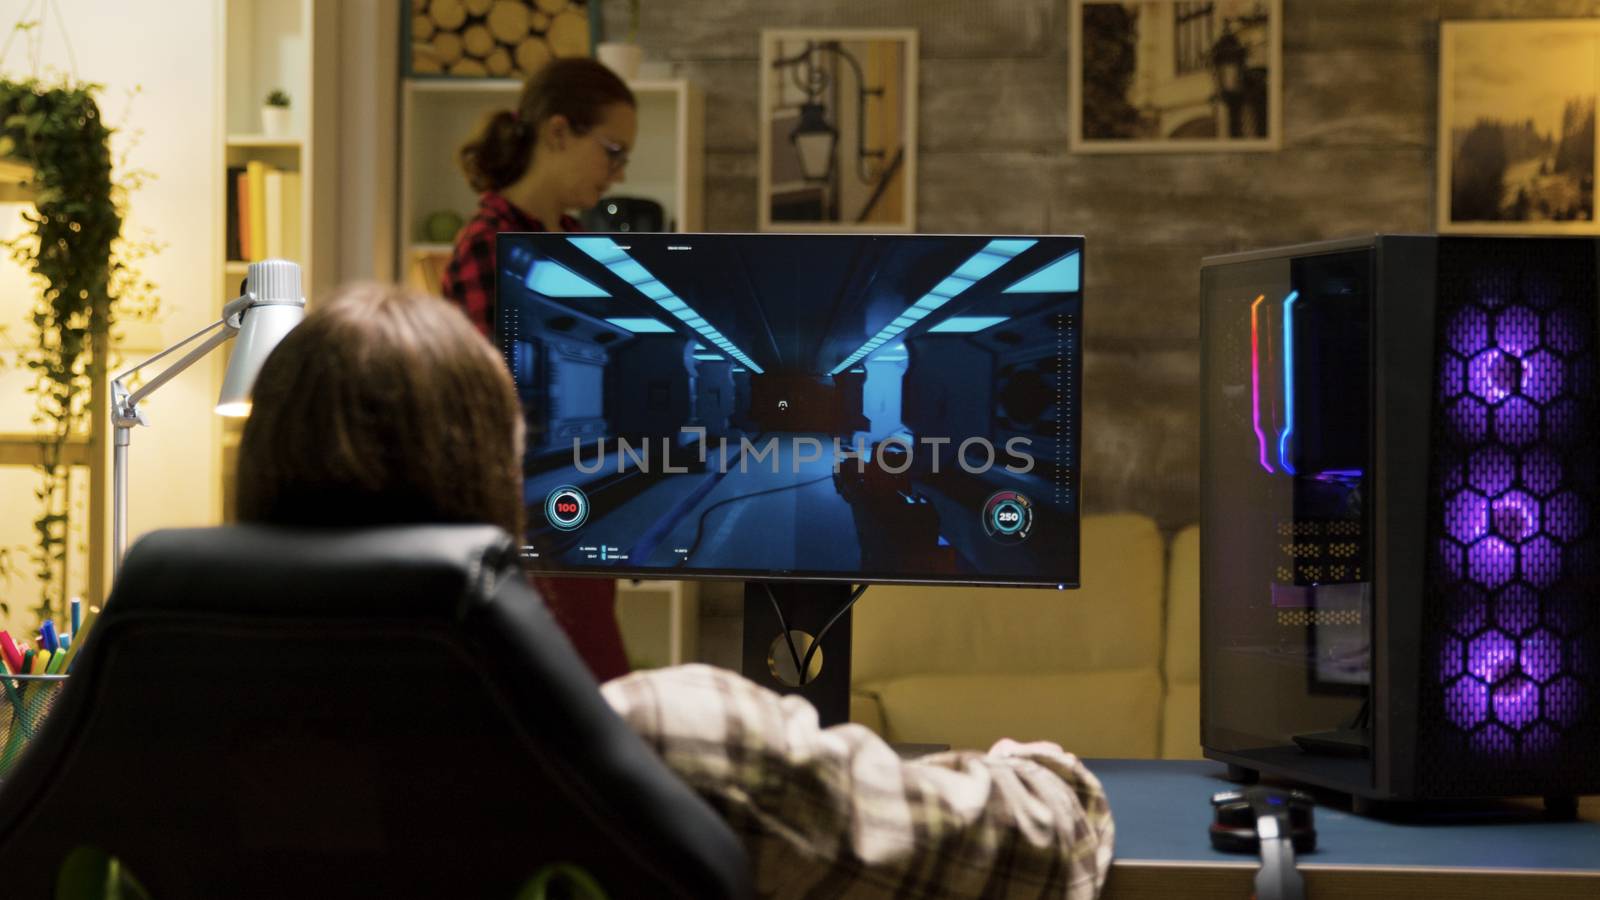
(615, 153)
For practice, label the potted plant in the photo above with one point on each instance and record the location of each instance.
(623, 57)
(85, 282)
(275, 114)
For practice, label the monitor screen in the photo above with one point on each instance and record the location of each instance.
(862, 408)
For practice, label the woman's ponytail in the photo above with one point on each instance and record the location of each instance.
(499, 153)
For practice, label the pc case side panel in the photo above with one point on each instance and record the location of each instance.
(1286, 619)
(1404, 365)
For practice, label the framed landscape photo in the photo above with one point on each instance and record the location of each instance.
(1516, 126)
(1163, 75)
(838, 130)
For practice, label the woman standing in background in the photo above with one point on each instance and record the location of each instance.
(561, 149)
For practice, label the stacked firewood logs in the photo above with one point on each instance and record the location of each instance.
(495, 38)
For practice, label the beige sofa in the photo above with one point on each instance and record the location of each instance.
(1108, 670)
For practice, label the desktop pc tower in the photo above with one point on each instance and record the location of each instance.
(1400, 552)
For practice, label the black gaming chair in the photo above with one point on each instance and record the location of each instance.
(377, 713)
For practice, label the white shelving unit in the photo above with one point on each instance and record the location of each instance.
(286, 45)
(659, 621)
(439, 114)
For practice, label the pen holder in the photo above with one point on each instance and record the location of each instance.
(28, 700)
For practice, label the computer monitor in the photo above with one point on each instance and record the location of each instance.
(813, 408)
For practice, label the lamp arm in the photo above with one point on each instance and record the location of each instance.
(125, 414)
(128, 404)
(229, 310)
(123, 404)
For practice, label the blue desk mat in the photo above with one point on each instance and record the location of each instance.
(1162, 810)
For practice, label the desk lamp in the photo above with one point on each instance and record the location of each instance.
(271, 305)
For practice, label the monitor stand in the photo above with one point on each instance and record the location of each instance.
(806, 607)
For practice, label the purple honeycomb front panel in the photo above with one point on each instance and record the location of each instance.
(1512, 580)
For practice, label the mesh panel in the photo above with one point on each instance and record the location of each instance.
(27, 700)
(1511, 702)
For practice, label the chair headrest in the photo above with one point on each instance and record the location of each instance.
(403, 570)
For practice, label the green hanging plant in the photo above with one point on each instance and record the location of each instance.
(85, 278)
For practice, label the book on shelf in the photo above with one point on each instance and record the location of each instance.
(241, 216)
(235, 249)
(256, 173)
(264, 212)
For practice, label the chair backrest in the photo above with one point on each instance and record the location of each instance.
(265, 712)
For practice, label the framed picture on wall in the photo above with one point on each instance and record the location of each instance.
(1516, 126)
(838, 130)
(1162, 75)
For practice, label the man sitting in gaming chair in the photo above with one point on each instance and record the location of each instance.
(386, 407)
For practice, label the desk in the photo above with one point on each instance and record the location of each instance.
(1501, 851)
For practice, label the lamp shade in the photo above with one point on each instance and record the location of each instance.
(275, 305)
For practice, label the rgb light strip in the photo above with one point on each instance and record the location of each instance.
(1255, 380)
(1287, 436)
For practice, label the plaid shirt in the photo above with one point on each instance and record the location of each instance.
(829, 813)
(469, 280)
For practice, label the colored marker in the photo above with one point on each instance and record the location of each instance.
(9, 649)
(79, 637)
(47, 636)
(77, 615)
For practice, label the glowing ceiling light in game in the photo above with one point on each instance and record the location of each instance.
(979, 265)
(966, 324)
(1057, 277)
(642, 326)
(654, 289)
(552, 279)
(610, 254)
(602, 250)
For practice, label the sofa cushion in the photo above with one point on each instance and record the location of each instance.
(866, 708)
(1103, 714)
(1180, 737)
(1180, 722)
(1113, 622)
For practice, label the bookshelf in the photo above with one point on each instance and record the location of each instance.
(287, 45)
(439, 114)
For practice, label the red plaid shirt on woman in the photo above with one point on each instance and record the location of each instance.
(469, 280)
(586, 608)
(836, 813)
